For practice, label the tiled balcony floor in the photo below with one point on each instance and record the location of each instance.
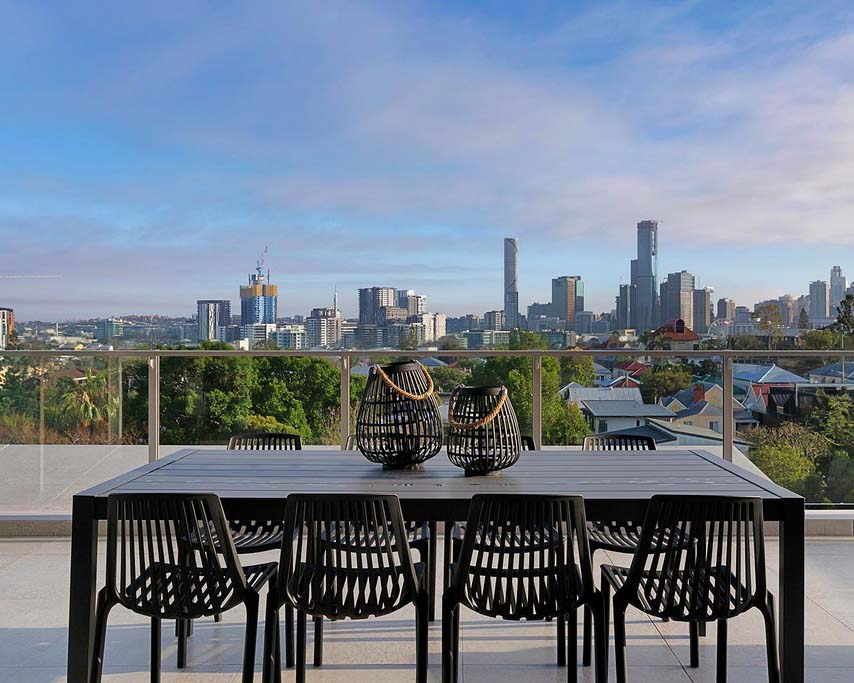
(33, 614)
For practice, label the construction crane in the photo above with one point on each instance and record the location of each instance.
(259, 264)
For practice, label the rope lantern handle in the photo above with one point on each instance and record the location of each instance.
(403, 392)
(482, 422)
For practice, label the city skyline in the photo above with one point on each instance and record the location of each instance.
(409, 139)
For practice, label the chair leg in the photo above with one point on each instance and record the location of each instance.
(289, 637)
(447, 641)
(183, 630)
(455, 625)
(217, 618)
(431, 571)
(271, 644)
(422, 620)
(587, 636)
(101, 613)
(155, 649)
(318, 641)
(600, 624)
(301, 628)
(561, 640)
(277, 662)
(620, 654)
(769, 615)
(721, 651)
(694, 638)
(572, 645)
(251, 602)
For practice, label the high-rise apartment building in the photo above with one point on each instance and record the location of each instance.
(626, 305)
(109, 329)
(372, 299)
(7, 326)
(819, 301)
(702, 310)
(323, 328)
(838, 285)
(567, 298)
(644, 276)
(726, 309)
(258, 300)
(787, 310)
(211, 314)
(434, 324)
(511, 284)
(494, 320)
(677, 297)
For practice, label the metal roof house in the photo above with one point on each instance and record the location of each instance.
(574, 393)
(605, 416)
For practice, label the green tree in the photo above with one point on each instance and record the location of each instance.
(663, 380)
(577, 369)
(821, 340)
(803, 319)
(771, 323)
(833, 417)
(408, 341)
(451, 342)
(783, 464)
(845, 315)
(87, 405)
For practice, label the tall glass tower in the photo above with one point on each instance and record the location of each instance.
(645, 276)
(511, 282)
(258, 299)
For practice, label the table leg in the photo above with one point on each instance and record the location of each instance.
(446, 562)
(792, 593)
(84, 568)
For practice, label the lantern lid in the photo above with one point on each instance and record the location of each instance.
(480, 391)
(401, 366)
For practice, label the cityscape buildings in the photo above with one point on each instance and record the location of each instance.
(703, 313)
(511, 284)
(726, 309)
(838, 285)
(567, 298)
(677, 297)
(819, 301)
(258, 299)
(7, 326)
(372, 300)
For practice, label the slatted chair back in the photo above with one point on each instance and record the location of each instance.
(699, 558)
(265, 441)
(349, 557)
(524, 557)
(528, 443)
(618, 442)
(171, 556)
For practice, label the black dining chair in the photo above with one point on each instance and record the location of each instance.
(719, 574)
(349, 559)
(618, 442)
(151, 569)
(252, 536)
(421, 537)
(524, 557)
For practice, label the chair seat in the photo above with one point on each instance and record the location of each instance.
(690, 596)
(176, 591)
(623, 537)
(508, 542)
(256, 537)
(351, 593)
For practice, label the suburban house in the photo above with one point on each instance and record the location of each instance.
(601, 374)
(675, 335)
(608, 416)
(770, 392)
(631, 368)
(702, 405)
(835, 373)
(574, 394)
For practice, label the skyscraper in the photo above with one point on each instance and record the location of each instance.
(323, 328)
(567, 294)
(677, 297)
(511, 285)
(626, 304)
(212, 314)
(726, 309)
(645, 276)
(258, 299)
(702, 310)
(838, 285)
(7, 326)
(372, 299)
(819, 301)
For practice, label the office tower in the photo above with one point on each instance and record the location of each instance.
(372, 299)
(106, 330)
(389, 314)
(702, 310)
(258, 299)
(644, 276)
(211, 314)
(494, 320)
(626, 303)
(584, 322)
(511, 284)
(742, 314)
(819, 301)
(838, 285)
(726, 309)
(787, 309)
(323, 328)
(567, 294)
(677, 297)
(7, 326)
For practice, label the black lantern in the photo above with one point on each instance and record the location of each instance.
(399, 424)
(484, 432)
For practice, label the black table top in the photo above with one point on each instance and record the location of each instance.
(613, 484)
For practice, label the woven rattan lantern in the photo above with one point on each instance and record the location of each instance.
(399, 424)
(484, 432)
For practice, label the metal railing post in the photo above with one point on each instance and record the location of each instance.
(728, 417)
(537, 400)
(345, 400)
(153, 408)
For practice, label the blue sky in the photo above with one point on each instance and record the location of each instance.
(149, 151)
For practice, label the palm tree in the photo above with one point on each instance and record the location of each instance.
(87, 404)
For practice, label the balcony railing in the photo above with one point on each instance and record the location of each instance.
(345, 359)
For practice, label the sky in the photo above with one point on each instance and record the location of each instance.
(149, 151)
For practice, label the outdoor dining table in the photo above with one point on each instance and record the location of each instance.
(616, 486)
